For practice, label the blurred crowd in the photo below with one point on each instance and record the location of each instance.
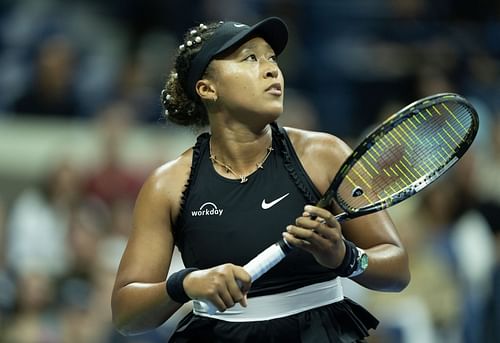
(349, 64)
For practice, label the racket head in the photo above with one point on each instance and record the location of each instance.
(404, 154)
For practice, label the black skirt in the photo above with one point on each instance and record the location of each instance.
(341, 322)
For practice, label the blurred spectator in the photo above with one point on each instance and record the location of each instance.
(7, 282)
(434, 291)
(38, 224)
(88, 224)
(35, 318)
(3, 234)
(482, 80)
(491, 308)
(112, 180)
(51, 91)
(85, 317)
(140, 90)
(487, 175)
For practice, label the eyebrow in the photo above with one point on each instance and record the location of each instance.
(254, 46)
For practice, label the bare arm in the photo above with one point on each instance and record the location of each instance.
(321, 156)
(139, 300)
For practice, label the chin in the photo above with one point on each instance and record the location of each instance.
(275, 110)
(273, 115)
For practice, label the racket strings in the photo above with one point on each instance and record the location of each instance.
(409, 152)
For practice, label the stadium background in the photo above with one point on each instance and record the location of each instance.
(81, 127)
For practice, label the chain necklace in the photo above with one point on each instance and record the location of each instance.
(243, 178)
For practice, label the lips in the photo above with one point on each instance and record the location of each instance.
(274, 89)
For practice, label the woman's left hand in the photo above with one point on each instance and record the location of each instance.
(322, 236)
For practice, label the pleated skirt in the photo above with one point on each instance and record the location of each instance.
(341, 322)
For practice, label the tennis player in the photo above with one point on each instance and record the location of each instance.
(243, 185)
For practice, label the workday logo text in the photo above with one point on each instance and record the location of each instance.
(207, 209)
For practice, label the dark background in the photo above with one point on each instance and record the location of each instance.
(81, 128)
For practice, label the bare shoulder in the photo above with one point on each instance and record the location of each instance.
(320, 153)
(164, 186)
(305, 141)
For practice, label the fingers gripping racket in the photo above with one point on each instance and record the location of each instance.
(399, 158)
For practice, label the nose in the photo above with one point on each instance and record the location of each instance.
(273, 73)
(271, 70)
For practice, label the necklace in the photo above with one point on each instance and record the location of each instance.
(243, 178)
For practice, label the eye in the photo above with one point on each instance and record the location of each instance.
(250, 57)
(273, 58)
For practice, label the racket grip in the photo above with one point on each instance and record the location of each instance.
(204, 306)
(267, 259)
(259, 265)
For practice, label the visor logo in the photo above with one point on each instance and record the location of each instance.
(240, 25)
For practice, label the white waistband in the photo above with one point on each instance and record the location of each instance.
(278, 305)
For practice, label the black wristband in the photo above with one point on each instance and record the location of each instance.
(350, 262)
(175, 289)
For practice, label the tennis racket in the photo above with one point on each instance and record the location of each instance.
(399, 158)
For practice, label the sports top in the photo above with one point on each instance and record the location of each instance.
(225, 221)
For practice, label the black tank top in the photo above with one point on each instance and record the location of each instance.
(225, 221)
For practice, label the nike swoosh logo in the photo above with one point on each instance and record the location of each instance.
(266, 205)
(240, 25)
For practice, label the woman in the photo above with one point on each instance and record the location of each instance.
(233, 194)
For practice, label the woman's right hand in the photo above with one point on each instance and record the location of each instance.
(222, 285)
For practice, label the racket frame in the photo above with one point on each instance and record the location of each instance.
(379, 132)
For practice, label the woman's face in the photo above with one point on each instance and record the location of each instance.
(249, 80)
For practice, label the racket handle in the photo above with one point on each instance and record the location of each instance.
(204, 306)
(267, 259)
(256, 267)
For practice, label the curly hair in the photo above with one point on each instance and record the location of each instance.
(179, 107)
